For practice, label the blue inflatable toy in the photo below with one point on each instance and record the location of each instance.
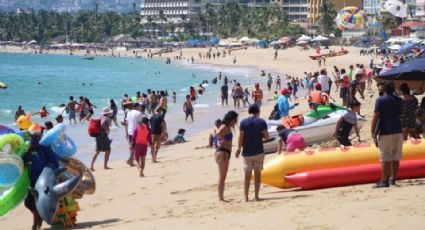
(60, 143)
(48, 191)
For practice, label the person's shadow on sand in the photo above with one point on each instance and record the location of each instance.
(90, 224)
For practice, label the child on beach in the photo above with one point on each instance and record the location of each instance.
(141, 140)
(174, 97)
(346, 123)
(188, 108)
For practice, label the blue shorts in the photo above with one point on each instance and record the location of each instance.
(72, 114)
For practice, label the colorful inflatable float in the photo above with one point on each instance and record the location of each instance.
(277, 169)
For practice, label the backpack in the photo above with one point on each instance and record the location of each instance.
(94, 127)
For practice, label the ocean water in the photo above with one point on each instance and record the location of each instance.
(48, 80)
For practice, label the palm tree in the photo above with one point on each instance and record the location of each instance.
(326, 16)
(162, 19)
(388, 21)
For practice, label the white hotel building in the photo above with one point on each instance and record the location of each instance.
(172, 9)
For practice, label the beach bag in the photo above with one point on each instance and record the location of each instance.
(94, 128)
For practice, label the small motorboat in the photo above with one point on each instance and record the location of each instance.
(88, 57)
(314, 132)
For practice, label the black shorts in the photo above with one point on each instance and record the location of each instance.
(343, 93)
(224, 97)
(103, 143)
(30, 203)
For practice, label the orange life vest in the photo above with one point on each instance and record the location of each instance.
(42, 113)
(294, 121)
(318, 97)
(142, 137)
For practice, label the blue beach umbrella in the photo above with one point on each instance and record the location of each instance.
(407, 47)
(410, 71)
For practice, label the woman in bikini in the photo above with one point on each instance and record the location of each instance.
(224, 149)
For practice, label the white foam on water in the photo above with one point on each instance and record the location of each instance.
(201, 106)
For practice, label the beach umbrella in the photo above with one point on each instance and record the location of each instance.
(285, 39)
(410, 71)
(407, 47)
(244, 39)
(302, 42)
(320, 38)
(396, 8)
(304, 38)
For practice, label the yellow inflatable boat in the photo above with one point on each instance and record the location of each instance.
(282, 165)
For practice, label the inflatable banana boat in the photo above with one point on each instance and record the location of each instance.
(363, 174)
(283, 165)
(316, 132)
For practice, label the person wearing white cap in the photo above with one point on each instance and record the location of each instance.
(103, 143)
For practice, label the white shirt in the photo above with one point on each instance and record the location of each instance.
(133, 118)
(324, 81)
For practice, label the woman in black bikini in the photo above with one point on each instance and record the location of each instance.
(224, 149)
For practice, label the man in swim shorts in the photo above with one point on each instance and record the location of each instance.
(252, 132)
(72, 111)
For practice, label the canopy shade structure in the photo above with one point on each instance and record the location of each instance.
(320, 38)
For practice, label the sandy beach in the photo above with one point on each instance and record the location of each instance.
(180, 191)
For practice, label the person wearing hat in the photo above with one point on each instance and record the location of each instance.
(317, 97)
(103, 143)
(253, 130)
(257, 95)
(283, 103)
(132, 120)
(36, 158)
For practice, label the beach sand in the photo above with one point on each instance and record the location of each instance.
(180, 191)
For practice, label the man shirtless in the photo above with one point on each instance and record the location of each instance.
(71, 110)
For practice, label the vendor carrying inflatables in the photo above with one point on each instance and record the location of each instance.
(317, 97)
(37, 158)
(283, 104)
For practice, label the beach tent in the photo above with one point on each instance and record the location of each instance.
(320, 38)
(214, 41)
(304, 38)
(285, 39)
(262, 43)
(302, 42)
(33, 42)
(195, 42)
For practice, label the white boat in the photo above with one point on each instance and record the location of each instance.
(313, 133)
(88, 57)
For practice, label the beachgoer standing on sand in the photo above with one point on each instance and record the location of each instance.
(283, 103)
(238, 95)
(71, 110)
(163, 103)
(114, 107)
(323, 79)
(19, 112)
(275, 55)
(409, 107)
(253, 130)
(103, 143)
(141, 140)
(344, 87)
(278, 83)
(153, 102)
(36, 159)
(387, 132)
(269, 82)
(346, 123)
(158, 129)
(225, 94)
(133, 117)
(257, 95)
(246, 96)
(223, 152)
(188, 108)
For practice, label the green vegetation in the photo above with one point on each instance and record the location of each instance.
(229, 20)
(327, 15)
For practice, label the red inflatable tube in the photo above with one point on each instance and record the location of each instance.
(363, 174)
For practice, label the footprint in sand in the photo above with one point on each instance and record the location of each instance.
(175, 192)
